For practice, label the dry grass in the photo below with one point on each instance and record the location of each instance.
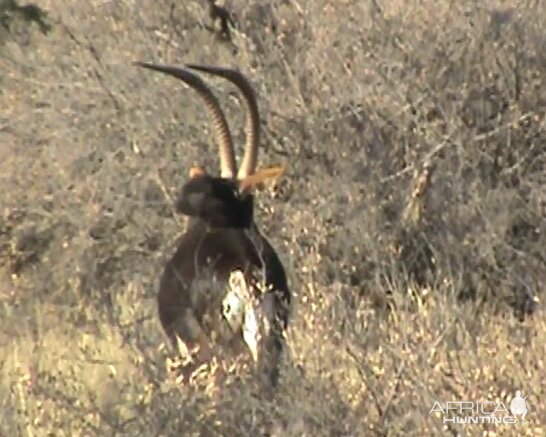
(393, 310)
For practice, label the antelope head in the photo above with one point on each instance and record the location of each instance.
(224, 201)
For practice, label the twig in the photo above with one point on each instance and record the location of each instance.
(506, 126)
(94, 54)
(363, 377)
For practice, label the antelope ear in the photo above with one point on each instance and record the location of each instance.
(196, 171)
(260, 178)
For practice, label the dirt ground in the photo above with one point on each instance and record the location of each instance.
(411, 220)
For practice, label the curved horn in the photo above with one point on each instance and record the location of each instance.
(250, 157)
(221, 128)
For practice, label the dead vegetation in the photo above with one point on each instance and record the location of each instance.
(411, 221)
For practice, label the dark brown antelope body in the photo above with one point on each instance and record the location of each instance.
(221, 238)
(207, 257)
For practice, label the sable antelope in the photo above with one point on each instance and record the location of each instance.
(222, 244)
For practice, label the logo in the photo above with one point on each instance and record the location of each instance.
(477, 412)
(518, 406)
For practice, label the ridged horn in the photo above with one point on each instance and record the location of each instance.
(221, 128)
(252, 128)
